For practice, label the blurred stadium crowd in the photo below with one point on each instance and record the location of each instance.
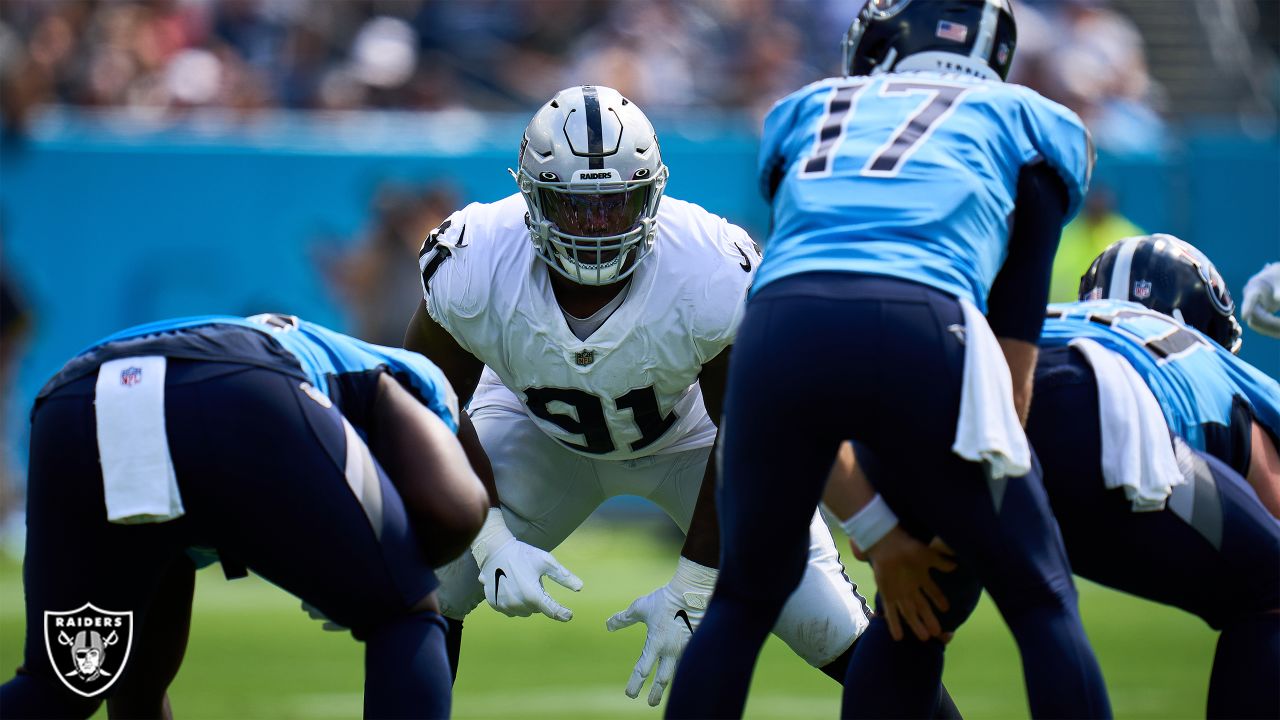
(160, 58)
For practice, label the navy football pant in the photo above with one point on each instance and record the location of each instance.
(260, 466)
(825, 357)
(1223, 564)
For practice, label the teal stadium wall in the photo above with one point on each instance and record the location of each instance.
(106, 225)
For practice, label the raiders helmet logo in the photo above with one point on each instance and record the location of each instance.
(88, 647)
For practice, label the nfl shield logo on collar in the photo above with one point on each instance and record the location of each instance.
(88, 647)
(1142, 289)
(585, 357)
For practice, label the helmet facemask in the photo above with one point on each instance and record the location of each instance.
(591, 175)
(596, 232)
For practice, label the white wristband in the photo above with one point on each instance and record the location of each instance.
(493, 535)
(870, 524)
(694, 583)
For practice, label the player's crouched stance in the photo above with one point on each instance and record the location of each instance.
(1158, 447)
(601, 313)
(892, 191)
(241, 436)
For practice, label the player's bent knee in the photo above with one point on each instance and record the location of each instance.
(824, 616)
(962, 590)
(448, 536)
(429, 603)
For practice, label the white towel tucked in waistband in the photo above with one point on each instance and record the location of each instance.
(137, 471)
(1137, 454)
(988, 429)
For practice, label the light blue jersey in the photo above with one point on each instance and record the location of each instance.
(910, 175)
(324, 355)
(1194, 379)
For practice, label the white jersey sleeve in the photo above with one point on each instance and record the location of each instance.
(630, 388)
(461, 264)
(728, 278)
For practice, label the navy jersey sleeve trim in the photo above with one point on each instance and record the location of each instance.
(1016, 304)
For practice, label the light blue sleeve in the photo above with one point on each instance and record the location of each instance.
(423, 377)
(773, 159)
(429, 380)
(1060, 138)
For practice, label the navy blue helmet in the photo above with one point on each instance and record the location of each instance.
(1167, 275)
(968, 37)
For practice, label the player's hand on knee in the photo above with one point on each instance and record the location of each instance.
(511, 573)
(908, 592)
(1262, 301)
(671, 614)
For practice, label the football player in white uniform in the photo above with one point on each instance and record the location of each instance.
(592, 316)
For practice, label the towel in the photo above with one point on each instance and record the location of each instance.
(1137, 453)
(138, 479)
(988, 429)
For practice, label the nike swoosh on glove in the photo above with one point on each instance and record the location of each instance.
(511, 572)
(671, 613)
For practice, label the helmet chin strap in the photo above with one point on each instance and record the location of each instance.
(945, 62)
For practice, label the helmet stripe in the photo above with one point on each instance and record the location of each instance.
(595, 128)
(1119, 280)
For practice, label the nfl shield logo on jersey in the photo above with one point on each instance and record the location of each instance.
(88, 647)
(1142, 289)
(585, 357)
(131, 376)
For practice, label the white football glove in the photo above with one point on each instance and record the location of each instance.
(671, 613)
(511, 572)
(1262, 300)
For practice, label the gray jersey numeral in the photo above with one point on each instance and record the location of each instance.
(844, 98)
(887, 161)
(941, 102)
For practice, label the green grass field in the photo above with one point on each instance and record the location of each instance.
(254, 654)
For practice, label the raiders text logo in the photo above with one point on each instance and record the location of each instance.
(88, 647)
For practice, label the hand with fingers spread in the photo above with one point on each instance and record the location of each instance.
(671, 613)
(511, 572)
(901, 564)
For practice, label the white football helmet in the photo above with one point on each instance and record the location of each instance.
(592, 175)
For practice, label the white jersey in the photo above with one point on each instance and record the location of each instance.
(630, 389)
